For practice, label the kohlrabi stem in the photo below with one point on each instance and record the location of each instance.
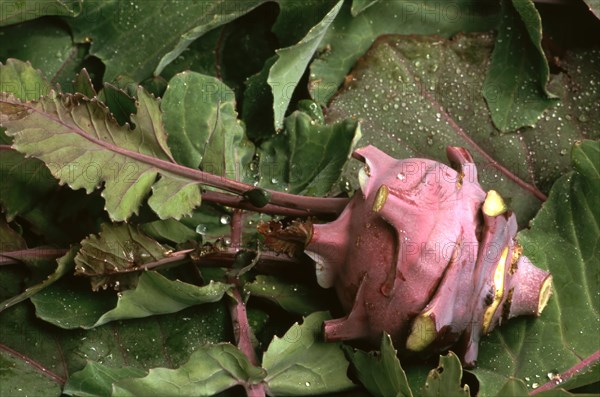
(14, 257)
(232, 201)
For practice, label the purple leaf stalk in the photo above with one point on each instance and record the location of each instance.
(424, 254)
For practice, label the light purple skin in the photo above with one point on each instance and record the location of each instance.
(414, 243)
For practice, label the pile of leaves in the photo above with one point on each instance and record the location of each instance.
(145, 143)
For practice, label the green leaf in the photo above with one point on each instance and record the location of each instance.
(359, 6)
(199, 113)
(24, 181)
(116, 249)
(513, 388)
(417, 95)
(155, 294)
(307, 158)
(96, 379)
(121, 105)
(85, 147)
(564, 231)
(38, 358)
(293, 297)
(350, 37)
(515, 85)
(169, 229)
(594, 6)
(65, 265)
(21, 11)
(210, 370)
(48, 45)
(289, 67)
(445, 380)
(301, 363)
(380, 373)
(160, 31)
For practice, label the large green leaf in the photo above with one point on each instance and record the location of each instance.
(37, 358)
(155, 294)
(515, 85)
(85, 147)
(24, 181)
(417, 95)
(300, 363)
(210, 370)
(350, 37)
(564, 238)
(594, 6)
(199, 113)
(381, 373)
(308, 157)
(289, 67)
(21, 11)
(48, 45)
(160, 30)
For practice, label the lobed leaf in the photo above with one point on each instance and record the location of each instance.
(155, 294)
(96, 379)
(18, 12)
(381, 373)
(445, 380)
(210, 370)
(84, 147)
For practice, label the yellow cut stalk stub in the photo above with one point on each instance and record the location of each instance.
(499, 291)
(494, 205)
(381, 198)
(422, 333)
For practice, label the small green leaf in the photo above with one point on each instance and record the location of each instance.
(68, 306)
(96, 379)
(291, 63)
(445, 380)
(293, 297)
(515, 85)
(301, 363)
(210, 370)
(381, 373)
(307, 158)
(83, 84)
(117, 248)
(204, 132)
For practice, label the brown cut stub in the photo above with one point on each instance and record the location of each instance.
(423, 253)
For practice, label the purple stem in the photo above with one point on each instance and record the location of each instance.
(239, 317)
(568, 374)
(14, 257)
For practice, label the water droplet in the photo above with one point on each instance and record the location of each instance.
(225, 219)
(307, 384)
(201, 229)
